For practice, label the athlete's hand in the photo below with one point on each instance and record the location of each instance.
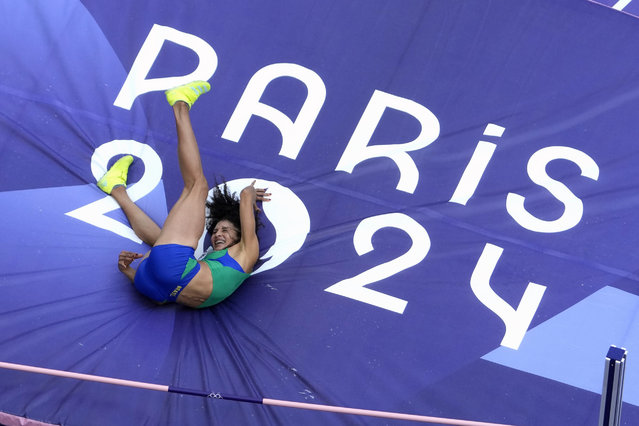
(125, 259)
(257, 194)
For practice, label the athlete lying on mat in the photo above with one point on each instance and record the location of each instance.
(170, 272)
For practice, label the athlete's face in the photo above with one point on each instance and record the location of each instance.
(224, 235)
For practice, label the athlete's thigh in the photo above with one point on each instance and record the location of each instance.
(185, 222)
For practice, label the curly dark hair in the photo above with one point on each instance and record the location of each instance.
(225, 205)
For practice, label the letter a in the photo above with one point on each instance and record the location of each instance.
(293, 132)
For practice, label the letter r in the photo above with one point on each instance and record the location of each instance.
(358, 150)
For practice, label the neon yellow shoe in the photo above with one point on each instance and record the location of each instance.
(187, 93)
(117, 174)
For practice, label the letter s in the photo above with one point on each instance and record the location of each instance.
(573, 210)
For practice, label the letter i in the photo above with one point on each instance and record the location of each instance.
(476, 166)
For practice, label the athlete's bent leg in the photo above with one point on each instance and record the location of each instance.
(143, 226)
(114, 183)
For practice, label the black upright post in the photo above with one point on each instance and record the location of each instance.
(611, 395)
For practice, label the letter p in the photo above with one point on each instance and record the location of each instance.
(136, 83)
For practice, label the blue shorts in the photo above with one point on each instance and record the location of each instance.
(165, 273)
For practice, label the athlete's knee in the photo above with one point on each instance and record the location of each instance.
(198, 185)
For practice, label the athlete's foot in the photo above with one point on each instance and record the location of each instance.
(187, 93)
(116, 176)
